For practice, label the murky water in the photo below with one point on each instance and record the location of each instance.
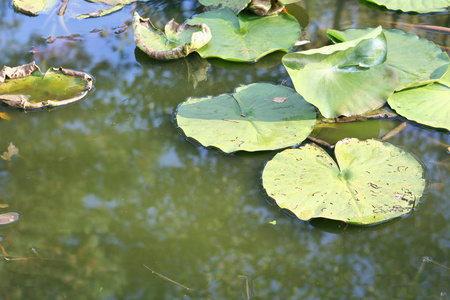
(108, 189)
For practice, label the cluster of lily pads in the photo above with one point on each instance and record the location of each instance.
(368, 181)
(371, 181)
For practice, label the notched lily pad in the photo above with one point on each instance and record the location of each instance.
(26, 87)
(370, 181)
(257, 117)
(176, 41)
(246, 37)
(345, 79)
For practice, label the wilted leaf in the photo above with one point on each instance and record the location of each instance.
(176, 41)
(265, 7)
(26, 87)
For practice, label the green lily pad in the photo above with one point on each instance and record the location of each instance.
(176, 41)
(344, 79)
(26, 87)
(414, 5)
(256, 117)
(234, 5)
(247, 37)
(370, 181)
(34, 7)
(428, 105)
(416, 60)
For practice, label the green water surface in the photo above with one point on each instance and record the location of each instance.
(109, 186)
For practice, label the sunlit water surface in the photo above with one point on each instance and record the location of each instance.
(109, 188)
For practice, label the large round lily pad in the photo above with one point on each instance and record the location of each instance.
(370, 181)
(247, 37)
(416, 60)
(26, 87)
(176, 41)
(256, 117)
(424, 6)
(428, 105)
(346, 79)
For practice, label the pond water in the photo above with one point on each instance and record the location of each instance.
(109, 189)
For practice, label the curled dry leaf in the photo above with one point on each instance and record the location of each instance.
(177, 40)
(26, 87)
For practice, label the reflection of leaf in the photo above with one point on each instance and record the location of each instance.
(116, 5)
(4, 116)
(370, 181)
(10, 153)
(197, 68)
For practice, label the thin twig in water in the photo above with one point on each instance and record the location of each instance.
(62, 10)
(180, 285)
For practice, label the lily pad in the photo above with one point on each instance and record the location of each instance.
(247, 37)
(26, 87)
(34, 7)
(370, 181)
(234, 5)
(344, 79)
(176, 41)
(414, 5)
(256, 117)
(428, 105)
(416, 60)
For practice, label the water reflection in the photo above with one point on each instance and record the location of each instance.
(108, 184)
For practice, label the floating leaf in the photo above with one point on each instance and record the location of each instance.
(416, 60)
(344, 79)
(26, 87)
(176, 41)
(249, 119)
(247, 37)
(428, 105)
(234, 5)
(10, 153)
(116, 5)
(32, 7)
(414, 5)
(370, 181)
